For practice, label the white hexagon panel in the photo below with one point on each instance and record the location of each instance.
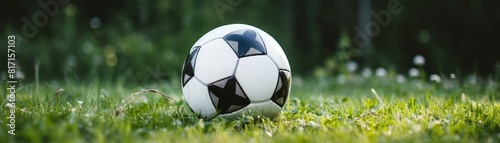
(258, 76)
(199, 98)
(216, 60)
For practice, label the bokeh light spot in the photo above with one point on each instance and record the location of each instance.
(109, 54)
(70, 10)
(87, 47)
(424, 36)
(95, 22)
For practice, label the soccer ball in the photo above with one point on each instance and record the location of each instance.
(236, 70)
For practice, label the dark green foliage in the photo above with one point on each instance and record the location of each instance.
(138, 37)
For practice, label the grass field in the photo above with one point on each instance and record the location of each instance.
(319, 110)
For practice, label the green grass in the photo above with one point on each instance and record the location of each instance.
(319, 110)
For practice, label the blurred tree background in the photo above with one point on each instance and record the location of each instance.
(112, 39)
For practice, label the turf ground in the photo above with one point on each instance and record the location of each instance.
(318, 110)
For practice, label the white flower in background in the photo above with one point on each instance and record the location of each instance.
(177, 122)
(419, 60)
(491, 82)
(367, 72)
(435, 78)
(413, 72)
(400, 78)
(341, 79)
(19, 75)
(351, 66)
(452, 76)
(10, 105)
(472, 79)
(79, 103)
(381, 72)
(297, 80)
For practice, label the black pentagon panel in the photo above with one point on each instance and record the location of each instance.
(227, 95)
(282, 88)
(188, 71)
(246, 43)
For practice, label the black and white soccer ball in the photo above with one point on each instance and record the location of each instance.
(236, 70)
